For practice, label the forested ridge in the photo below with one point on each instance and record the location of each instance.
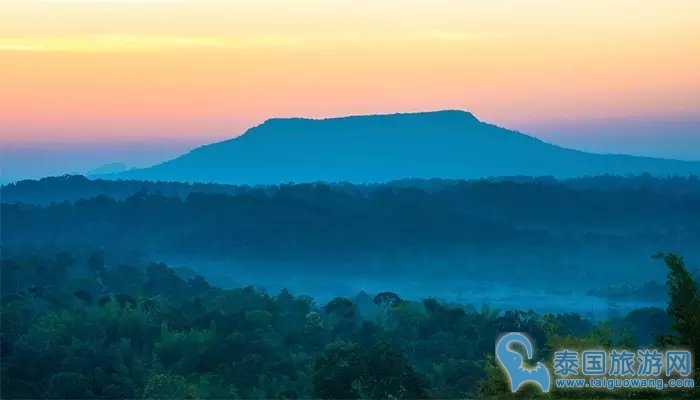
(330, 221)
(74, 327)
(75, 187)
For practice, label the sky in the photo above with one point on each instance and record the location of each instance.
(90, 82)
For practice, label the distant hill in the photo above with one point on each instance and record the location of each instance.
(112, 168)
(379, 148)
(71, 188)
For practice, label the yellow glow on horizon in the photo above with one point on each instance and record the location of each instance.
(106, 43)
(141, 43)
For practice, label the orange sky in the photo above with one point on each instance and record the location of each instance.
(79, 71)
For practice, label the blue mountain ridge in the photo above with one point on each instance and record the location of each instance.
(377, 148)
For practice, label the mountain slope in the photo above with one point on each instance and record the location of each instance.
(111, 168)
(376, 148)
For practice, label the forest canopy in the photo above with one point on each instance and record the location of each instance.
(146, 331)
(326, 222)
(87, 313)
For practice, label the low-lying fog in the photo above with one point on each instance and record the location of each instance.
(594, 298)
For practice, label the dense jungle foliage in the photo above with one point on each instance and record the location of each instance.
(73, 327)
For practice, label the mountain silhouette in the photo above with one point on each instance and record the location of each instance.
(378, 148)
(111, 168)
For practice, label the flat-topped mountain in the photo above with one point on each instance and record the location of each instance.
(377, 148)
